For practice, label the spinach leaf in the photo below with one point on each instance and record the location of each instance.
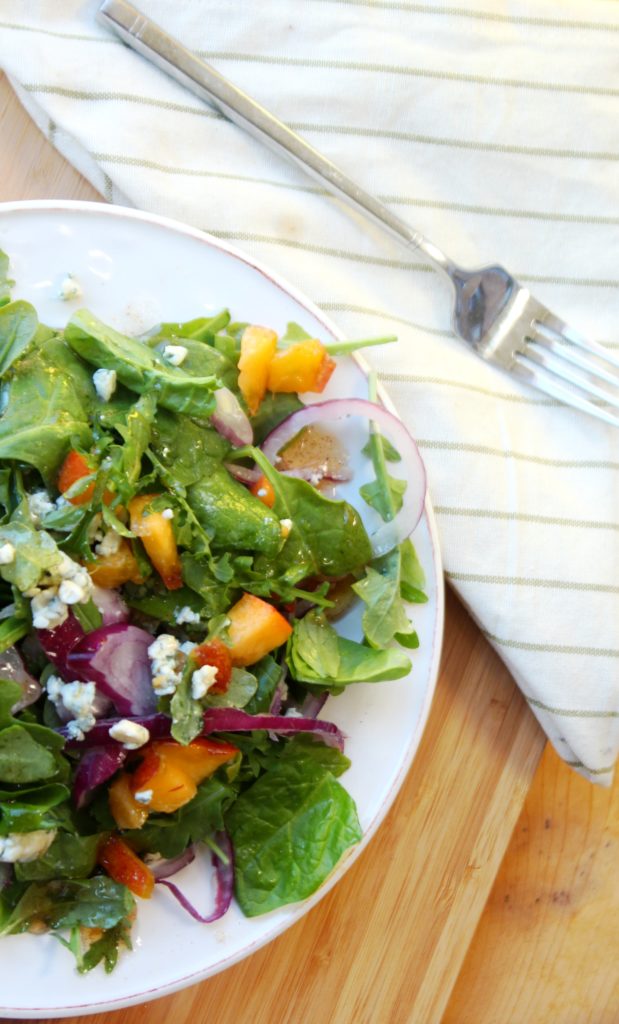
(413, 578)
(69, 856)
(170, 834)
(216, 598)
(267, 673)
(307, 749)
(327, 537)
(357, 663)
(273, 410)
(186, 449)
(137, 366)
(18, 328)
(48, 397)
(10, 693)
(289, 830)
(28, 810)
(5, 281)
(62, 903)
(22, 759)
(203, 360)
(238, 521)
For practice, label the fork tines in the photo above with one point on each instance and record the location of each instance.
(563, 364)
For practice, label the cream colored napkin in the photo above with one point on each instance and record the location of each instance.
(493, 129)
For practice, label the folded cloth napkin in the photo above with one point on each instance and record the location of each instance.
(493, 129)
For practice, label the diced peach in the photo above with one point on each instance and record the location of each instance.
(256, 628)
(157, 536)
(170, 773)
(126, 811)
(263, 491)
(124, 866)
(257, 350)
(304, 366)
(214, 652)
(110, 571)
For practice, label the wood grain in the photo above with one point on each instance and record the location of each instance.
(387, 944)
(547, 947)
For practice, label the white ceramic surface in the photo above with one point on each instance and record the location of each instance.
(136, 270)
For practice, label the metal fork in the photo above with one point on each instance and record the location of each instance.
(501, 321)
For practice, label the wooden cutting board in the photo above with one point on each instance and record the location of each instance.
(386, 945)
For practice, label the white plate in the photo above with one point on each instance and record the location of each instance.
(136, 270)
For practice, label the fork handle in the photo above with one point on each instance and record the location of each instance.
(144, 36)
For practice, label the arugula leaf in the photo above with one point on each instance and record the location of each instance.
(385, 495)
(106, 948)
(170, 834)
(185, 711)
(357, 663)
(36, 552)
(12, 630)
(69, 856)
(241, 689)
(88, 615)
(385, 614)
(391, 454)
(136, 433)
(19, 325)
(62, 903)
(48, 398)
(289, 830)
(31, 809)
(137, 366)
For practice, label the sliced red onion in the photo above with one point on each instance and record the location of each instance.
(58, 644)
(235, 720)
(96, 766)
(166, 868)
(215, 720)
(224, 873)
(116, 659)
(229, 419)
(403, 524)
(243, 474)
(111, 605)
(313, 705)
(12, 667)
(158, 725)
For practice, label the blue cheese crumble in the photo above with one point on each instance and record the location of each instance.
(76, 698)
(132, 735)
(175, 354)
(105, 383)
(23, 847)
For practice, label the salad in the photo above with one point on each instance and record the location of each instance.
(175, 555)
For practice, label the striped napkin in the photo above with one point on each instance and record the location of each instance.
(493, 128)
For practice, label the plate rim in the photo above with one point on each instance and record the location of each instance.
(280, 282)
